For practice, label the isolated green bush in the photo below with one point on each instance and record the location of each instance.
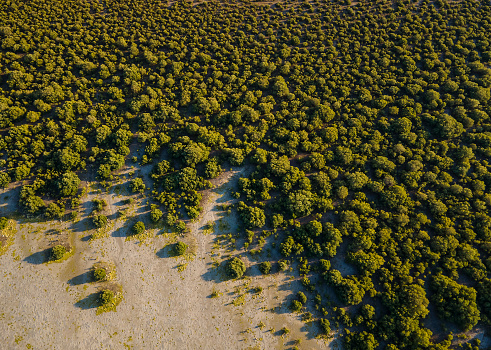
(235, 268)
(57, 252)
(106, 297)
(99, 221)
(265, 267)
(138, 228)
(3, 222)
(180, 248)
(99, 274)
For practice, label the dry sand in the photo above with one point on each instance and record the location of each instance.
(167, 300)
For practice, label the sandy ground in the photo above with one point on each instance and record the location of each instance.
(167, 300)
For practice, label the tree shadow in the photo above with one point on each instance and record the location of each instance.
(9, 200)
(114, 216)
(120, 232)
(166, 252)
(39, 258)
(311, 329)
(83, 278)
(89, 302)
(216, 274)
(86, 238)
(82, 225)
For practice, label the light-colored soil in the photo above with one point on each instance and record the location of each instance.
(167, 300)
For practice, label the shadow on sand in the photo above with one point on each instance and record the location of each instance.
(83, 278)
(89, 302)
(39, 258)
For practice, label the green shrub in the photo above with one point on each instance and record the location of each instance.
(155, 214)
(301, 297)
(235, 268)
(265, 267)
(283, 265)
(180, 226)
(138, 228)
(3, 222)
(179, 248)
(99, 274)
(57, 252)
(296, 306)
(99, 221)
(106, 297)
(325, 326)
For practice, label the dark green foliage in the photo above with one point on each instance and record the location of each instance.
(252, 216)
(455, 302)
(360, 341)
(106, 297)
(296, 306)
(54, 211)
(155, 214)
(3, 223)
(57, 252)
(67, 185)
(265, 267)
(325, 326)
(235, 268)
(138, 228)
(212, 169)
(301, 297)
(99, 221)
(179, 248)
(180, 226)
(99, 274)
(99, 204)
(137, 185)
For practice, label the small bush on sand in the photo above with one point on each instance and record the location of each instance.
(265, 267)
(57, 252)
(138, 228)
(99, 221)
(179, 248)
(235, 268)
(296, 306)
(106, 297)
(100, 274)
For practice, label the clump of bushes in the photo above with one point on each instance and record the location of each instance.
(99, 204)
(296, 306)
(235, 268)
(325, 326)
